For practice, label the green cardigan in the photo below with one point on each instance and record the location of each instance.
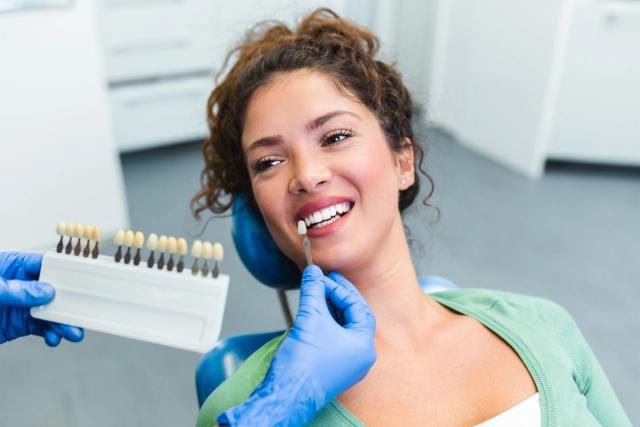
(573, 388)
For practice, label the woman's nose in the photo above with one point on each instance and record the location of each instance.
(309, 174)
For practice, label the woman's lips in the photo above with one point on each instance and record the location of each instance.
(331, 228)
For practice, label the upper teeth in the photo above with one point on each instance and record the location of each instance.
(327, 213)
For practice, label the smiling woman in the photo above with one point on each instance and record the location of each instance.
(309, 126)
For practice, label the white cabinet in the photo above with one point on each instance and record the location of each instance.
(525, 81)
(596, 102)
(161, 56)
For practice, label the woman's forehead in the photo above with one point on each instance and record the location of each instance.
(292, 100)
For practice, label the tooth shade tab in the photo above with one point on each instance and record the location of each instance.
(128, 238)
(78, 230)
(162, 243)
(87, 232)
(302, 227)
(70, 229)
(330, 213)
(207, 250)
(138, 240)
(61, 228)
(172, 245)
(152, 242)
(96, 233)
(218, 252)
(182, 246)
(196, 249)
(118, 239)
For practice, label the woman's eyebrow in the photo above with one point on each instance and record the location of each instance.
(319, 121)
(272, 140)
(266, 141)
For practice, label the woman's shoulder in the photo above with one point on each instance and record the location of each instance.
(505, 304)
(239, 386)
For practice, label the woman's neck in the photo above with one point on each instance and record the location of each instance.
(388, 282)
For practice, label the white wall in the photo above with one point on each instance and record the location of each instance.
(57, 155)
(490, 81)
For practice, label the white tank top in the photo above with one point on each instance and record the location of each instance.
(523, 414)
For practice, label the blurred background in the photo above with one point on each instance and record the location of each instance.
(528, 111)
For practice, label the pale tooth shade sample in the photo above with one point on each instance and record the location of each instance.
(96, 233)
(182, 246)
(302, 227)
(196, 249)
(207, 250)
(172, 245)
(87, 232)
(218, 252)
(118, 239)
(61, 228)
(138, 239)
(78, 230)
(70, 229)
(152, 242)
(128, 238)
(162, 243)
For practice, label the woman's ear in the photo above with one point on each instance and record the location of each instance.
(404, 165)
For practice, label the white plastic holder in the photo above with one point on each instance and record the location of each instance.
(179, 310)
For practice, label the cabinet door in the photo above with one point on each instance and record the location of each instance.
(595, 115)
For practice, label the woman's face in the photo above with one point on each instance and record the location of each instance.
(318, 156)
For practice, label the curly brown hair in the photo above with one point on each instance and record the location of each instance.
(322, 42)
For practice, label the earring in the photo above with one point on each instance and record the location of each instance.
(402, 181)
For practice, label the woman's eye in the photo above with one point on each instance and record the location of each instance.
(337, 136)
(264, 164)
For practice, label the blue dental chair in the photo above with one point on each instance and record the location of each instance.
(271, 267)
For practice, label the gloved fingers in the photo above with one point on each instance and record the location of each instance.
(350, 304)
(51, 338)
(31, 264)
(25, 293)
(41, 328)
(312, 290)
(20, 265)
(71, 333)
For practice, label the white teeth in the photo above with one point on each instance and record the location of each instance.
(326, 215)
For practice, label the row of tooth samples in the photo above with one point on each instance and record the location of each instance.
(90, 233)
(162, 244)
(207, 251)
(128, 239)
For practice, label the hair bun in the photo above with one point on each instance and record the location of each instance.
(327, 29)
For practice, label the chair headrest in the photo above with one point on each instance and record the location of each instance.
(258, 251)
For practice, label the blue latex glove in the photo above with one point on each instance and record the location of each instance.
(319, 359)
(19, 291)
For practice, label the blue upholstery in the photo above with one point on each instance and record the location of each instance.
(219, 363)
(258, 251)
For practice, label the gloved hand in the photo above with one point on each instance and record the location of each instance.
(319, 358)
(19, 291)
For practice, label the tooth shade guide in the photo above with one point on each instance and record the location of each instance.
(172, 246)
(182, 250)
(207, 254)
(196, 252)
(107, 297)
(218, 252)
(152, 243)
(60, 231)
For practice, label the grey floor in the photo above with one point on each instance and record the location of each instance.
(571, 237)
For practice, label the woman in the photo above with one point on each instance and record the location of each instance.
(309, 126)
